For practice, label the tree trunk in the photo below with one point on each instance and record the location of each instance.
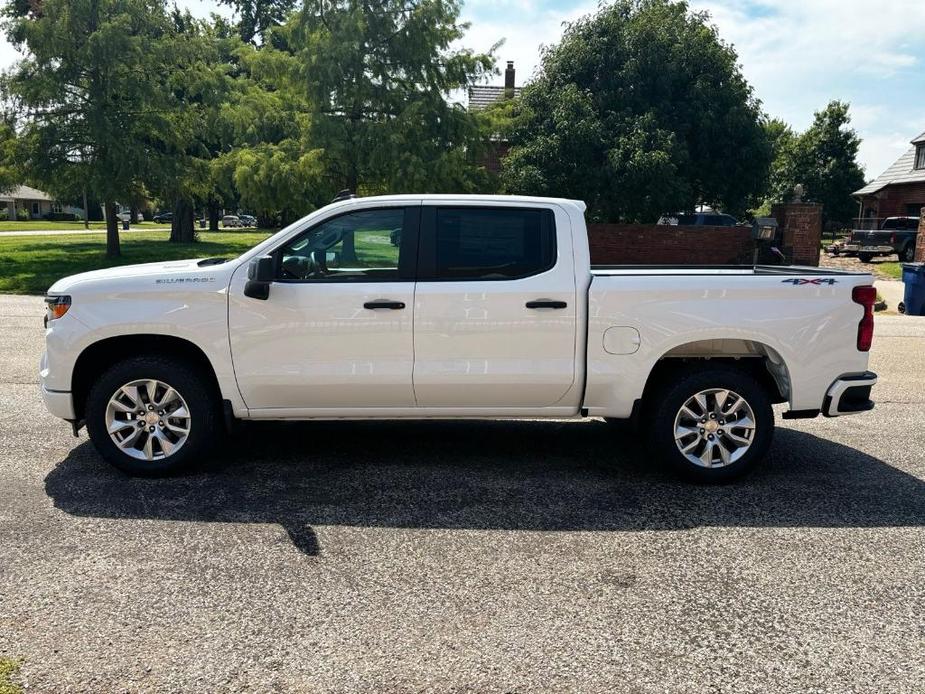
(182, 229)
(86, 211)
(213, 215)
(112, 231)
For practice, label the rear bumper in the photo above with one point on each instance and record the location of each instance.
(849, 394)
(876, 249)
(59, 403)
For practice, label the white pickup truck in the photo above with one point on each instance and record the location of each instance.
(428, 306)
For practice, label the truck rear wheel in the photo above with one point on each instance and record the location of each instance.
(151, 416)
(907, 255)
(713, 424)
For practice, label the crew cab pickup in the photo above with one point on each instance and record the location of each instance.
(895, 235)
(487, 307)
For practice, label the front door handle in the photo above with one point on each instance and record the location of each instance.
(393, 305)
(546, 303)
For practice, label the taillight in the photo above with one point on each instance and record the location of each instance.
(866, 296)
(893, 237)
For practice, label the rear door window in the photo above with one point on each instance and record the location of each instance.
(490, 243)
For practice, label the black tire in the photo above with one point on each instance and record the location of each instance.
(908, 253)
(197, 392)
(668, 400)
(865, 257)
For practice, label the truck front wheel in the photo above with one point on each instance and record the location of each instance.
(712, 424)
(151, 416)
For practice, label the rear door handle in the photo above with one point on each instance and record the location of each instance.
(546, 303)
(394, 305)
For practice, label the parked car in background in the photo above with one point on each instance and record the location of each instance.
(163, 217)
(231, 221)
(127, 216)
(489, 307)
(248, 220)
(895, 235)
(713, 219)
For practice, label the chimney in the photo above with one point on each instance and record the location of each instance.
(509, 80)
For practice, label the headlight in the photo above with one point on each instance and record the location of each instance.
(57, 307)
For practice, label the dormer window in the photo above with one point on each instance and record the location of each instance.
(920, 156)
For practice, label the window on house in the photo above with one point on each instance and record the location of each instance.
(56, 207)
(35, 208)
(920, 157)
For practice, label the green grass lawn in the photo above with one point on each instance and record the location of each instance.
(45, 225)
(31, 264)
(892, 270)
(8, 668)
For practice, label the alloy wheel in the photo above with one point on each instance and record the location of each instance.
(714, 428)
(148, 419)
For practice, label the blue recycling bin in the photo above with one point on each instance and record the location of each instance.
(914, 295)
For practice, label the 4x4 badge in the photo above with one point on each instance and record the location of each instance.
(817, 280)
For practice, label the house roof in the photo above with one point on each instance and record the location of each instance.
(25, 193)
(902, 171)
(483, 96)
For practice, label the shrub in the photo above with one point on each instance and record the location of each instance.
(61, 217)
(22, 214)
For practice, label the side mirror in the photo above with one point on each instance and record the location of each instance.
(260, 274)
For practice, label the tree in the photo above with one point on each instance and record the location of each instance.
(256, 17)
(93, 87)
(824, 160)
(10, 175)
(640, 110)
(196, 91)
(376, 77)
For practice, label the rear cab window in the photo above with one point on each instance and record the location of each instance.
(486, 243)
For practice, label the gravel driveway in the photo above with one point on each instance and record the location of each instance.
(517, 556)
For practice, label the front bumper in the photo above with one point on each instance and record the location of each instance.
(59, 403)
(849, 394)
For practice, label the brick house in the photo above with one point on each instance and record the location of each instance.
(900, 190)
(483, 96)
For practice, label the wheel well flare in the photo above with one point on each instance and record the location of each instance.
(99, 356)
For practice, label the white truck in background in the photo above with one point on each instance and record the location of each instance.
(441, 306)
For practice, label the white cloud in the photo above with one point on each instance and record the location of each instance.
(800, 54)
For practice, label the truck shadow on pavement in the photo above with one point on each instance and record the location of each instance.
(488, 475)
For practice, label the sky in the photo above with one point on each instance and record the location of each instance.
(797, 55)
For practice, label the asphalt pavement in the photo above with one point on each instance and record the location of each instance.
(478, 556)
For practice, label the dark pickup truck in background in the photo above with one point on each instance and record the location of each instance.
(895, 235)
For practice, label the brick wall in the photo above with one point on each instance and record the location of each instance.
(652, 244)
(894, 200)
(920, 239)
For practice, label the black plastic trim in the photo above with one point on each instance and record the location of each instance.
(800, 414)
